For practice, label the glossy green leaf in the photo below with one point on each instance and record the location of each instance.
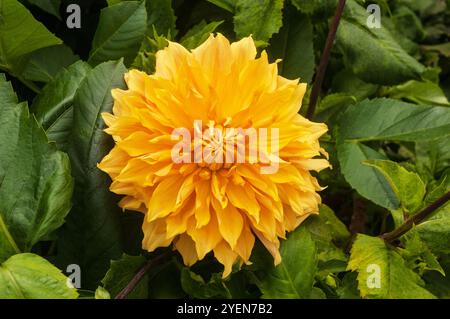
(419, 92)
(337, 228)
(49, 6)
(261, 18)
(294, 276)
(372, 53)
(383, 119)
(195, 286)
(418, 255)
(327, 232)
(435, 231)
(433, 156)
(332, 105)
(382, 272)
(35, 182)
(42, 65)
(165, 282)
(53, 108)
(20, 34)
(345, 81)
(294, 46)
(387, 119)
(121, 272)
(119, 33)
(437, 283)
(369, 182)
(407, 186)
(199, 34)
(101, 293)
(161, 17)
(228, 5)
(312, 6)
(29, 276)
(92, 235)
(146, 57)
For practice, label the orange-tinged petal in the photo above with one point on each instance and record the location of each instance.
(230, 221)
(186, 246)
(206, 237)
(164, 198)
(177, 223)
(226, 256)
(244, 198)
(155, 235)
(202, 203)
(245, 244)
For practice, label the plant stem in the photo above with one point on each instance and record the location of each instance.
(140, 274)
(415, 219)
(324, 60)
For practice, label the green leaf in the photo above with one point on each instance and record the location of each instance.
(396, 280)
(418, 255)
(373, 54)
(407, 186)
(199, 34)
(239, 287)
(326, 230)
(433, 156)
(32, 277)
(92, 235)
(409, 23)
(259, 18)
(120, 274)
(101, 293)
(311, 6)
(332, 105)
(348, 287)
(7, 96)
(119, 33)
(294, 276)
(443, 48)
(53, 107)
(435, 231)
(35, 182)
(383, 119)
(369, 182)
(146, 57)
(228, 5)
(294, 46)
(113, 2)
(20, 34)
(437, 283)
(49, 6)
(195, 286)
(346, 82)
(386, 119)
(337, 228)
(165, 283)
(42, 65)
(161, 17)
(419, 92)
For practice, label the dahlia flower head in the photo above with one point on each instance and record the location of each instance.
(197, 201)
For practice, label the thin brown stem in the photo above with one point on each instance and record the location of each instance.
(324, 60)
(415, 219)
(140, 274)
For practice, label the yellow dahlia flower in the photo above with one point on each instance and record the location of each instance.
(205, 203)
